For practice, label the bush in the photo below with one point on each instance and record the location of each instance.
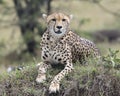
(87, 80)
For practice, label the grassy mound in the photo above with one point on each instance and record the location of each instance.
(89, 80)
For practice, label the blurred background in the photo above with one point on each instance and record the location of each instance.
(21, 26)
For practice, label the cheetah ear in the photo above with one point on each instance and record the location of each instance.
(70, 16)
(44, 16)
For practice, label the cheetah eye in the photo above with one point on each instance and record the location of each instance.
(53, 19)
(63, 19)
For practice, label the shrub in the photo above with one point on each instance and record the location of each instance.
(86, 80)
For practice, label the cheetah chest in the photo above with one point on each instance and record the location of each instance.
(55, 54)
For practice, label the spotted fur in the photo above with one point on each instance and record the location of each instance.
(61, 45)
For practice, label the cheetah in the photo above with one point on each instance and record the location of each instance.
(60, 45)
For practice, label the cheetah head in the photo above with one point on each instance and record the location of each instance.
(57, 23)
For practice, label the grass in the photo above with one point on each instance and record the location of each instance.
(104, 48)
(93, 79)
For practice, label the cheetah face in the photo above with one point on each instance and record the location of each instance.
(57, 23)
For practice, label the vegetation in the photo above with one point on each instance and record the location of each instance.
(21, 24)
(95, 79)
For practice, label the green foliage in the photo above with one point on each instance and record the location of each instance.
(111, 60)
(20, 83)
(92, 79)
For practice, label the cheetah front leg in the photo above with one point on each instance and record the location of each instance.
(43, 66)
(54, 86)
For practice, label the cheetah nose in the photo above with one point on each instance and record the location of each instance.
(59, 27)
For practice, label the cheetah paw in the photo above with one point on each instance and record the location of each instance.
(54, 87)
(41, 78)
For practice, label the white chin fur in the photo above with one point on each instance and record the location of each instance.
(57, 34)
